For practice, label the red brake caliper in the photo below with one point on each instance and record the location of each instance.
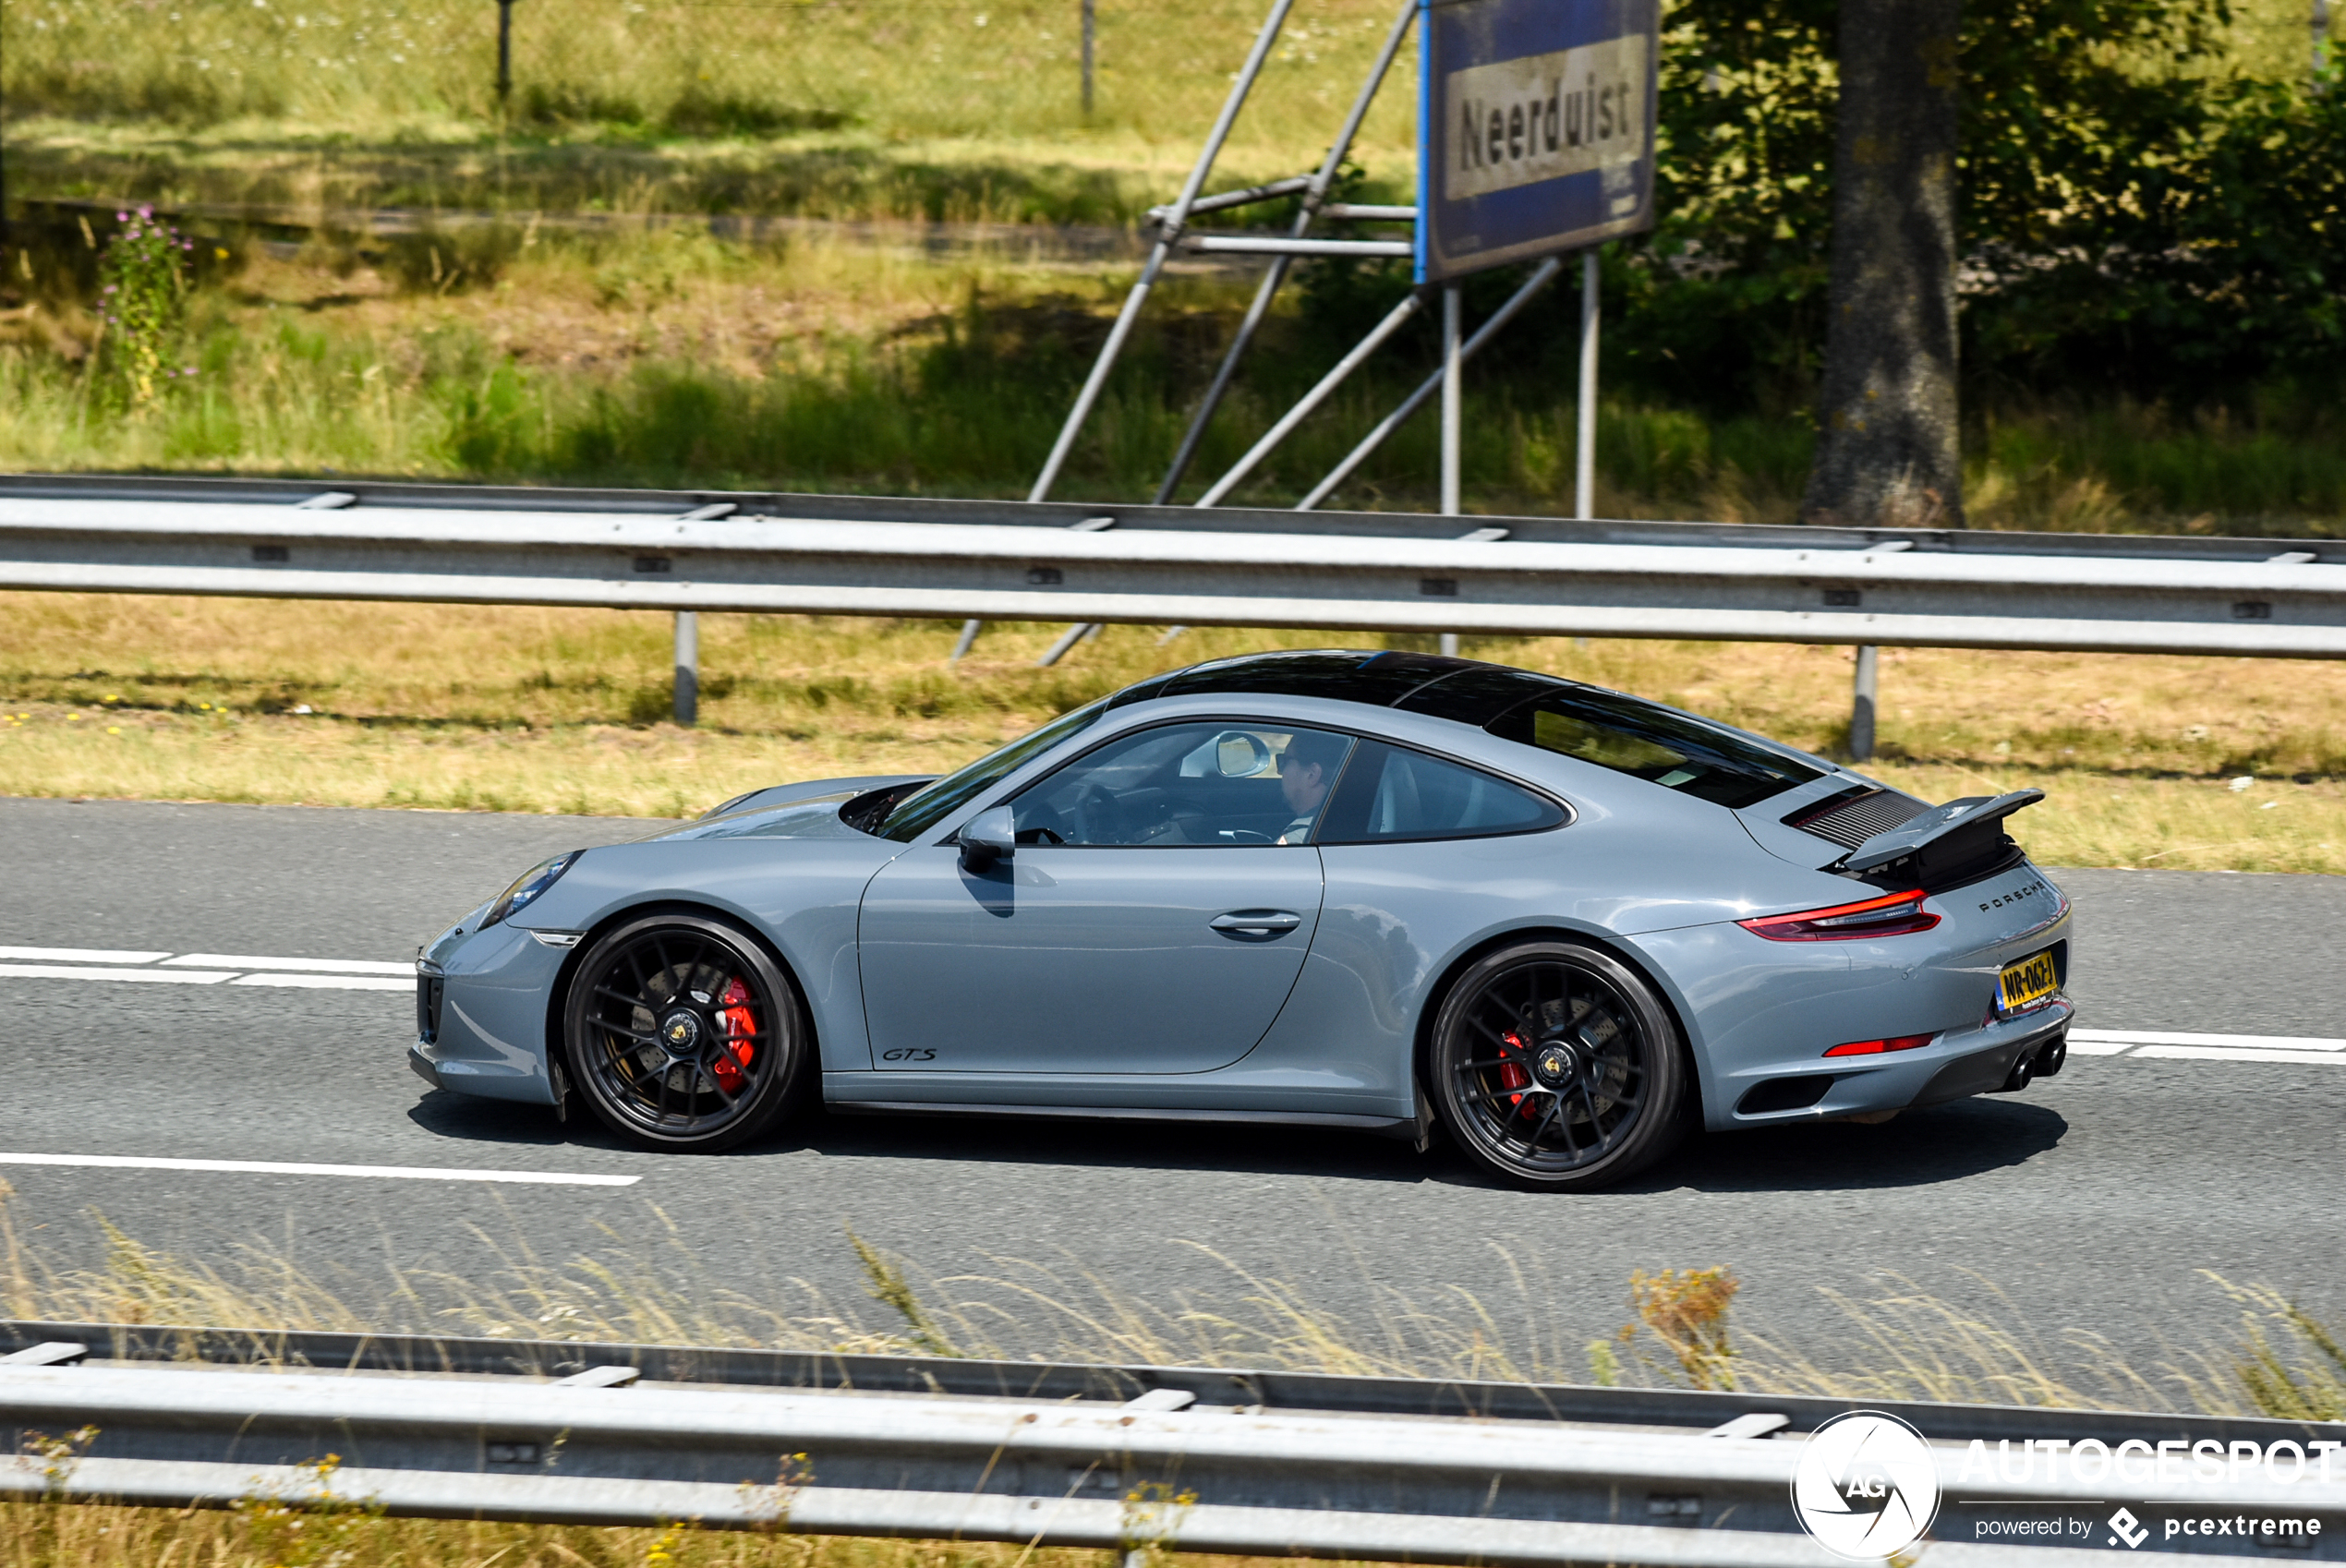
(740, 1029)
(1513, 1075)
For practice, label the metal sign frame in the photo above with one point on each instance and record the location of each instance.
(1536, 122)
(1531, 24)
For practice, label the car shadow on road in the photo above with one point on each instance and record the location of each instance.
(1193, 1146)
(473, 1119)
(1944, 1143)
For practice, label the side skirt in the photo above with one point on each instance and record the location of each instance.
(1403, 1128)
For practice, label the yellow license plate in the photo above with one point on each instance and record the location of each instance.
(2029, 981)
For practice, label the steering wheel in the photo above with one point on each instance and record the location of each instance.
(1245, 835)
(1096, 815)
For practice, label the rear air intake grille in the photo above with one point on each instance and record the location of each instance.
(1853, 816)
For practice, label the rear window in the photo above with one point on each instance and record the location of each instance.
(1648, 741)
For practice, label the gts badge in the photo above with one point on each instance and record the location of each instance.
(2014, 896)
(909, 1054)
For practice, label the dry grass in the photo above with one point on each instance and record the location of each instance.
(534, 710)
(40, 1534)
(1903, 1340)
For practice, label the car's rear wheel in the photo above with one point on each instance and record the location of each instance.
(1557, 1068)
(682, 1033)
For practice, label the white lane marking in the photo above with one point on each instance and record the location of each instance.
(2229, 1053)
(170, 976)
(2252, 1042)
(275, 1167)
(81, 955)
(318, 966)
(359, 975)
(328, 981)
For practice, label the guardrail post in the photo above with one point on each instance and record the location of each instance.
(687, 668)
(1861, 708)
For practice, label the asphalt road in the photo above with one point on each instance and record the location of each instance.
(2090, 1204)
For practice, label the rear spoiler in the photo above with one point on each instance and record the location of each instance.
(1917, 834)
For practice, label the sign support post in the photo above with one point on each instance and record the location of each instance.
(1536, 139)
(1168, 235)
(1584, 456)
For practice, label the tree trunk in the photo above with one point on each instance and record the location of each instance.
(1888, 450)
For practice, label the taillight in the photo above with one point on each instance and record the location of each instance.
(1876, 1047)
(1894, 914)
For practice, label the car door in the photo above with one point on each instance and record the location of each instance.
(1151, 919)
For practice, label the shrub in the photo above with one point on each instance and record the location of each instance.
(142, 299)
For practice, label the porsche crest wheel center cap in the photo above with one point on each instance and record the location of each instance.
(1554, 1065)
(680, 1033)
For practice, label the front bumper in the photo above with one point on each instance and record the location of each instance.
(491, 1014)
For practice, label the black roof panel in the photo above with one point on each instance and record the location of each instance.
(1477, 694)
(1379, 680)
(1462, 689)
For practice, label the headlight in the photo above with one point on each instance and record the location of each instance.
(524, 892)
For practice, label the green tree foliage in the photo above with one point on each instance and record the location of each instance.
(2134, 217)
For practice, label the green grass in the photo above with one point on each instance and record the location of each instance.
(523, 351)
(638, 360)
(377, 68)
(884, 109)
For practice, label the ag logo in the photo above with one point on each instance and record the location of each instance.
(1866, 1485)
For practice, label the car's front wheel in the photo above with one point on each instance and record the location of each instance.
(1556, 1066)
(682, 1033)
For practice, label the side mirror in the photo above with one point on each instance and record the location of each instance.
(988, 837)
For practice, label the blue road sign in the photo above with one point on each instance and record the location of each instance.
(1535, 128)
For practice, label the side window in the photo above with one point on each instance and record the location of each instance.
(1213, 784)
(1390, 794)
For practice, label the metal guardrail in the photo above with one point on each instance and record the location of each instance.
(976, 561)
(1022, 1453)
(1338, 570)
(1326, 1392)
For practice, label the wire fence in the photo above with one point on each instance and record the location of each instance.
(828, 108)
(691, 66)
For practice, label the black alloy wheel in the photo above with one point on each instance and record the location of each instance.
(683, 1035)
(1556, 1067)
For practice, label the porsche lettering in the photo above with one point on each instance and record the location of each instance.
(2031, 891)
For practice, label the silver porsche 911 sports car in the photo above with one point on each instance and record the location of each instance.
(1383, 891)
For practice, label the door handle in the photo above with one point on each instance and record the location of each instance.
(1255, 926)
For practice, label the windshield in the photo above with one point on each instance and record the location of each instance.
(917, 815)
(1655, 744)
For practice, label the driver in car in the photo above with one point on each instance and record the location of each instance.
(1307, 769)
